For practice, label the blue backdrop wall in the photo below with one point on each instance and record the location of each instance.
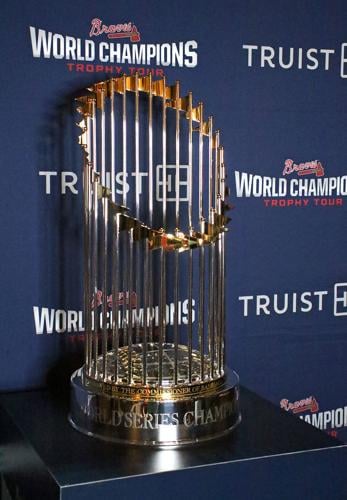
(274, 75)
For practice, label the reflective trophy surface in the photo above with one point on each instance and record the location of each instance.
(154, 269)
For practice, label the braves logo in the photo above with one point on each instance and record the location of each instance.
(310, 167)
(307, 404)
(125, 30)
(123, 299)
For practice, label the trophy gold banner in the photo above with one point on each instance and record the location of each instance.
(154, 268)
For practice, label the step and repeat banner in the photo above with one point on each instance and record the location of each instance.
(274, 74)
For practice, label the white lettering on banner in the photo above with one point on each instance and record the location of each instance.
(255, 185)
(281, 304)
(57, 46)
(340, 299)
(48, 175)
(60, 47)
(171, 183)
(65, 183)
(60, 321)
(327, 419)
(248, 185)
(68, 182)
(289, 57)
(294, 302)
(52, 320)
(44, 320)
(296, 58)
(343, 73)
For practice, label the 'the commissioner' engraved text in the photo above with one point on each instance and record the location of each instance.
(152, 392)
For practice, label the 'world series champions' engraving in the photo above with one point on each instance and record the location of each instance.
(137, 420)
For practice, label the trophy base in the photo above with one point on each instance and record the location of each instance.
(141, 420)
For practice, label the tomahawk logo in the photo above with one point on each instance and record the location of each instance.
(114, 31)
(328, 420)
(307, 168)
(307, 404)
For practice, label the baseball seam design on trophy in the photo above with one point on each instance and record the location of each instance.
(154, 268)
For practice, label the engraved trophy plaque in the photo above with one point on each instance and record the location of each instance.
(154, 269)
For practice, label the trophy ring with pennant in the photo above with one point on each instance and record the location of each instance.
(154, 269)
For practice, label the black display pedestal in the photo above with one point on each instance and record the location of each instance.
(271, 455)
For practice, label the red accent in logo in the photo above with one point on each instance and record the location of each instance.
(307, 404)
(126, 30)
(123, 299)
(307, 168)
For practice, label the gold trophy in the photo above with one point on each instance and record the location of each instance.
(154, 269)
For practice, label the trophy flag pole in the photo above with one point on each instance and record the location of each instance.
(211, 278)
(222, 236)
(137, 209)
(115, 236)
(148, 285)
(190, 227)
(162, 300)
(177, 218)
(87, 241)
(115, 293)
(201, 248)
(129, 272)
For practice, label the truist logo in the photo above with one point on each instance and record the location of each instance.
(310, 167)
(297, 58)
(303, 405)
(114, 31)
(296, 302)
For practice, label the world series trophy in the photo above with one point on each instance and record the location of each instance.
(154, 269)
